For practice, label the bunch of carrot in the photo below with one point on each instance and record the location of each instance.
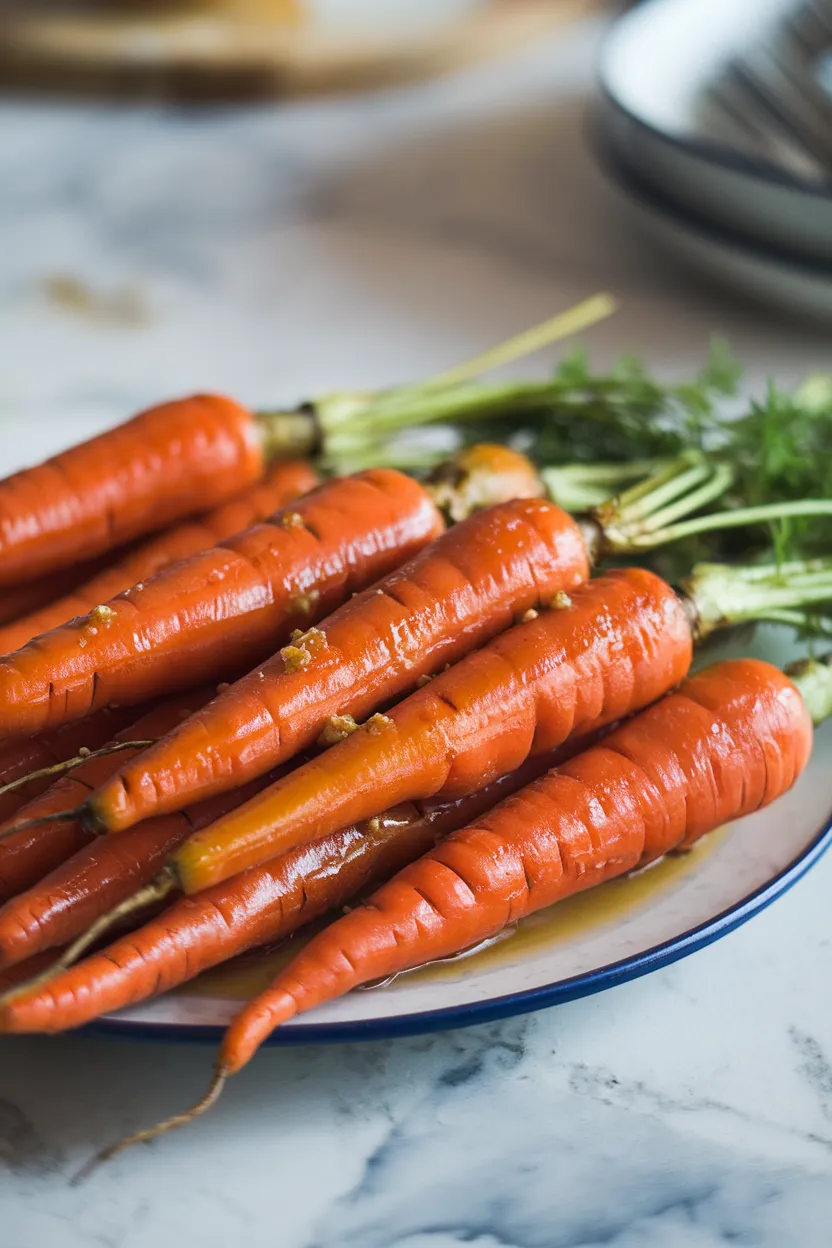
(457, 716)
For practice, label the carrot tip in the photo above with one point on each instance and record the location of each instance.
(151, 1133)
(68, 764)
(64, 816)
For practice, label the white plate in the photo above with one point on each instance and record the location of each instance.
(621, 930)
(655, 69)
(764, 273)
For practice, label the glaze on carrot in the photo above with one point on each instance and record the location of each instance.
(28, 855)
(168, 462)
(456, 594)
(283, 482)
(17, 601)
(223, 609)
(32, 754)
(261, 906)
(621, 642)
(99, 875)
(733, 739)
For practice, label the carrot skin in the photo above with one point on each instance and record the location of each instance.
(19, 601)
(456, 594)
(223, 609)
(622, 642)
(26, 856)
(655, 784)
(261, 906)
(168, 462)
(283, 482)
(21, 757)
(98, 876)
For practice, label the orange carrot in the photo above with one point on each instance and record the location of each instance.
(261, 906)
(283, 482)
(17, 601)
(34, 754)
(98, 876)
(26, 856)
(622, 641)
(223, 609)
(733, 739)
(460, 591)
(166, 463)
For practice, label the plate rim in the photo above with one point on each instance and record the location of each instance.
(713, 153)
(616, 168)
(507, 1005)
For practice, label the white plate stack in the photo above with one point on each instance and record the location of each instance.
(753, 210)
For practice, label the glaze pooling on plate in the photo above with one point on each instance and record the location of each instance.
(689, 903)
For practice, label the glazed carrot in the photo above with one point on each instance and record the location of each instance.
(223, 609)
(283, 482)
(26, 856)
(33, 754)
(261, 906)
(98, 875)
(456, 594)
(622, 641)
(733, 739)
(166, 463)
(17, 601)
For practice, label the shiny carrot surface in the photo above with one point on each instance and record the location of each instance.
(621, 642)
(223, 609)
(470, 584)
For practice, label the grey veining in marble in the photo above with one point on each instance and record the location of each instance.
(273, 252)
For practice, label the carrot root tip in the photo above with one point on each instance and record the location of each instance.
(151, 1133)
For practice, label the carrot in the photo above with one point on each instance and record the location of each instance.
(99, 875)
(29, 757)
(463, 589)
(223, 609)
(27, 855)
(283, 482)
(166, 463)
(17, 601)
(261, 906)
(733, 738)
(622, 641)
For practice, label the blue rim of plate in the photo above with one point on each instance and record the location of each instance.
(637, 188)
(715, 153)
(525, 1002)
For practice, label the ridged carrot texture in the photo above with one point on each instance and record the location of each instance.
(283, 482)
(463, 589)
(99, 875)
(621, 642)
(32, 756)
(17, 601)
(223, 609)
(26, 856)
(261, 906)
(733, 739)
(168, 462)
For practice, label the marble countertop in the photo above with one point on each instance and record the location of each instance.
(278, 252)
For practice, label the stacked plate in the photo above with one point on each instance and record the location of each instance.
(756, 214)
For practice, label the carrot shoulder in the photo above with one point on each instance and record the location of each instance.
(457, 593)
(283, 482)
(697, 759)
(223, 609)
(168, 462)
(622, 641)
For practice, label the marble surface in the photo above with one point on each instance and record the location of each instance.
(275, 252)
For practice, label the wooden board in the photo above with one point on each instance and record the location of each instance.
(248, 49)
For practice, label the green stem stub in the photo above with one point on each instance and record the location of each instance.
(722, 595)
(813, 678)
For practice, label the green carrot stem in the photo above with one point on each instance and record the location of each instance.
(766, 514)
(813, 678)
(721, 595)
